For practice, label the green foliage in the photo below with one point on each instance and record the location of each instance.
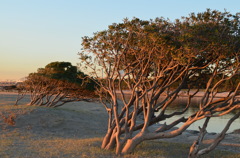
(153, 58)
(57, 84)
(65, 71)
(197, 39)
(60, 71)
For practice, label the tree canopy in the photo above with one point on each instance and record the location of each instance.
(158, 58)
(60, 71)
(57, 84)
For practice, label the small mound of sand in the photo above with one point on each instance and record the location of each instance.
(80, 119)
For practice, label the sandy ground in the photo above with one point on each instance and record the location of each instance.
(80, 120)
(86, 120)
(89, 119)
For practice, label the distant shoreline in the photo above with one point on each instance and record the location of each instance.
(5, 92)
(184, 93)
(181, 94)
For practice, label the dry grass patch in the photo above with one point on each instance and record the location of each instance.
(59, 147)
(90, 148)
(50, 141)
(5, 145)
(13, 143)
(161, 149)
(28, 145)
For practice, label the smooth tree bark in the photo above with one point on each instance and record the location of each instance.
(195, 152)
(142, 67)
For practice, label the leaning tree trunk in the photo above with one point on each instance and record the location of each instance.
(111, 142)
(131, 144)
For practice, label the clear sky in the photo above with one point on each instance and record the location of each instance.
(34, 33)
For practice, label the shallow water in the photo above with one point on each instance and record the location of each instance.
(216, 124)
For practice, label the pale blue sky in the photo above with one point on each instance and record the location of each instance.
(34, 33)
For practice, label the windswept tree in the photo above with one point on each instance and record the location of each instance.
(56, 84)
(158, 58)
